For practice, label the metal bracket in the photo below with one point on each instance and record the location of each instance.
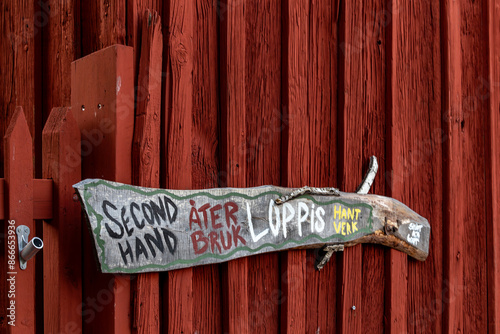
(326, 254)
(23, 233)
(26, 249)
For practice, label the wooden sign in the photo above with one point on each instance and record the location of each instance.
(139, 229)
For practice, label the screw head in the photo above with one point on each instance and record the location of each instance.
(353, 308)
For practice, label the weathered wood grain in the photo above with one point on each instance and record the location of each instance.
(103, 23)
(135, 15)
(322, 68)
(263, 121)
(252, 157)
(178, 287)
(295, 92)
(62, 283)
(362, 127)
(453, 179)
(414, 154)
(308, 96)
(233, 146)
(475, 106)
(191, 130)
(17, 69)
(146, 157)
(207, 315)
(102, 99)
(60, 44)
(492, 167)
(19, 181)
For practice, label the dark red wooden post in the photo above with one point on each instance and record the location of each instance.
(414, 161)
(102, 99)
(309, 153)
(146, 159)
(62, 281)
(18, 164)
(454, 197)
(493, 169)
(362, 128)
(251, 121)
(192, 296)
(234, 156)
(179, 160)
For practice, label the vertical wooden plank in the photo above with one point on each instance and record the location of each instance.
(207, 316)
(263, 122)
(103, 23)
(178, 129)
(62, 281)
(362, 135)
(321, 126)
(102, 99)
(475, 106)
(414, 292)
(297, 155)
(453, 194)
(19, 183)
(60, 47)
(493, 168)
(17, 61)
(251, 151)
(233, 152)
(146, 158)
(309, 95)
(191, 129)
(135, 11)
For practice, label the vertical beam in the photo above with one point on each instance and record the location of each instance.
(414, 292)
(309, 95)
(17, 61)
(475, 106)
(207, 315)
(103, 23)
(254, 144)
(178, 130)
(493, 168)
(322, 69)
(296, 147)
(233, 152)
(146, 158)
(135, 14)
(60, 47)
(102, 99)
(453, 195)
(263, 122)
(62, 282)
(362, 100)
(191, 130)
(19, 183)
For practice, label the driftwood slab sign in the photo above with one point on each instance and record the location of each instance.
(139, 229)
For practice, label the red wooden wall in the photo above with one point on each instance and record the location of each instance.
(294, 92)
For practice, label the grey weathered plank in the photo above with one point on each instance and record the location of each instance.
(138, 229)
